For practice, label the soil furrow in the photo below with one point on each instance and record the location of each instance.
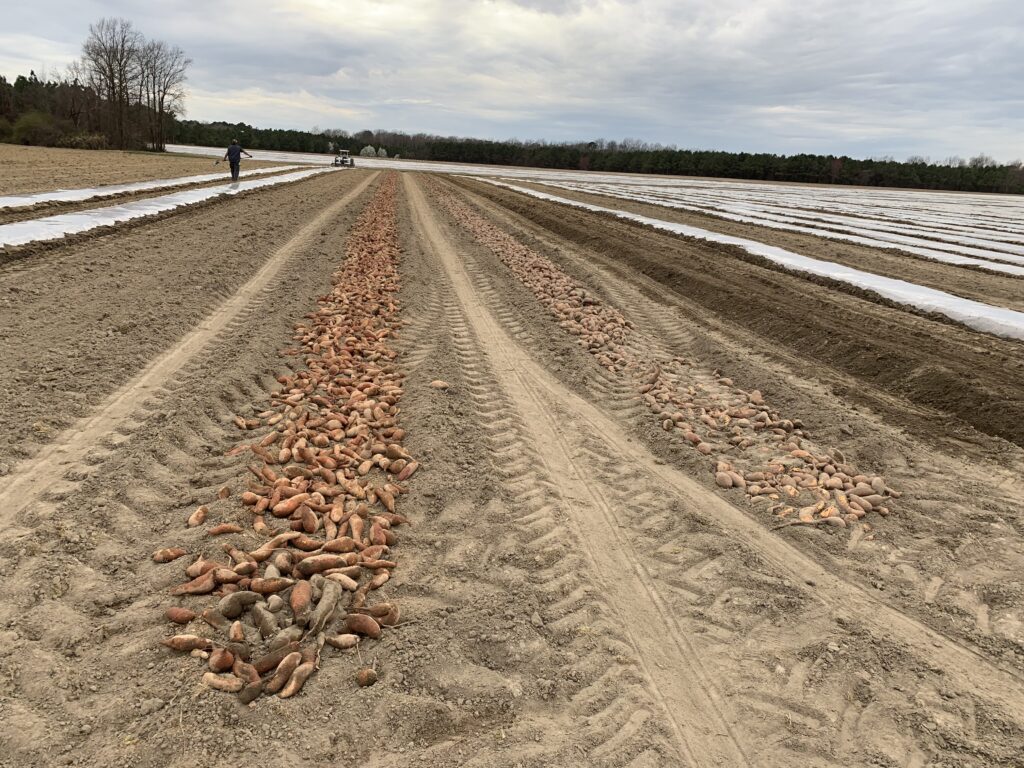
(968, 376)
(962, 663)
(569, 601)
(945, 521)
(67, 451)
(698, 714)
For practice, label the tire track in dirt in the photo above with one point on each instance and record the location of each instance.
(612, 716)
(79, 604)
(971, 378)
(963, 511)
(968, 668)
(612, 712)
(699, 716)
(66, 453)
(726, 599)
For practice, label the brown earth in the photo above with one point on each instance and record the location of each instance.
(968, 282)
(973, 378)
(10, 215)
(131, 293)
(574, 588)
(41, 169)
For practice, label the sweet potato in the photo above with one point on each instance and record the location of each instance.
(299, 677)
(389, 619)
(342, 642)
(269, 586)
(346, 582)
(222, 682)
(244, 671)
(366, 677)
(379, 580)
(361, 624)
(319, 563)
(300, 601)
(286, 507)
(236, 633)
(267, 548)
(188, 643)
(264, 620)
(340, 545)
(266, 663)
(198, 517)
(284, 672)
(180, 615)
(216, 619)
(325, 607)
(251, 692)
(222, 528)
(226, 576)
(232, 605)
(199, 586)
(167, 555)
(221, 660)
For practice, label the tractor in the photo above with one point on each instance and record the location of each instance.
(342, 159)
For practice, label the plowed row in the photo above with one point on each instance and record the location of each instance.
(328, 473)
(749, 444)
(657, 526)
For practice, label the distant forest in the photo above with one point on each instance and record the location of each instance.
(978, 174)
(123, 93)
(127, 92)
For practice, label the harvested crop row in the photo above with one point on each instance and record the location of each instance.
(323, 494)
(750, 446)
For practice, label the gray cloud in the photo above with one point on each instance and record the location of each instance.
(934, 77)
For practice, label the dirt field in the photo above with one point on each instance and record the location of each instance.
(576, 587)
(40, 169)
(976, 284)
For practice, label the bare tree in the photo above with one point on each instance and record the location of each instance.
(110, 55)
(142, 83)
(164, 69)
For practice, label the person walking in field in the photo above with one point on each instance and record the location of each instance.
(234, 157)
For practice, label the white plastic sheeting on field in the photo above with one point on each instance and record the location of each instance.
(982, 317)
(55, 227)
(984, 231)
(111, 190)
(961, 255)
(267, 155)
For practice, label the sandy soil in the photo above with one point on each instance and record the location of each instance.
(977, 284)
(574, 587)
(10, 215)
(41, 169)
(132, 293)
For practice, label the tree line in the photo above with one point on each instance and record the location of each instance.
(977, 174)
(124, 92)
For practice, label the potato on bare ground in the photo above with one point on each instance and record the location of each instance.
(222, 682)
(167, 555)
(297, 680)
(188, 643)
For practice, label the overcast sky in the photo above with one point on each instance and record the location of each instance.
(856, 77)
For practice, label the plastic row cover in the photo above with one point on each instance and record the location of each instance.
(110, 190)
(974, 314)
(55, 227)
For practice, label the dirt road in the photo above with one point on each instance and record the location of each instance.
(575, 588)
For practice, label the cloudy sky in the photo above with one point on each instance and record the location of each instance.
(859, 77)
